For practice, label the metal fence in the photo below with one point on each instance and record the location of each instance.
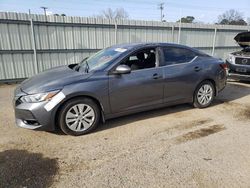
(33, 43)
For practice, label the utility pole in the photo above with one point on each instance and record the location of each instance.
(161, 7)
(44, 9)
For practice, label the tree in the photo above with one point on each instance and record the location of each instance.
(118, 13)
(231, 17)
(188, 19)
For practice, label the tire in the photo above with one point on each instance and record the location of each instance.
(204, 94)
(79, 116)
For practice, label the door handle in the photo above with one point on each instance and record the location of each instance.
(197, 69)
(156, 76)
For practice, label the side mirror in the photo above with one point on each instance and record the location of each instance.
(122, 69)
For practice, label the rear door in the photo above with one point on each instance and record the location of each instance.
(181, 72)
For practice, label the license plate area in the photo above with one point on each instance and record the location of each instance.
(243, 70)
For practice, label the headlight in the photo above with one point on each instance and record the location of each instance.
(231, 58)
(39, 97)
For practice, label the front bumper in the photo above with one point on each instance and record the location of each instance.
(34, 116)
(38, 116)
(234, 74)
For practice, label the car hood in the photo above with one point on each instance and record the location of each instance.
(52, 79)
(243, 39)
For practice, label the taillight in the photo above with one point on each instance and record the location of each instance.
(224, 66)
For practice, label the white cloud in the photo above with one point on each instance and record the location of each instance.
(49, 12)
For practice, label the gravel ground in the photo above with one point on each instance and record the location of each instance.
(172, 147)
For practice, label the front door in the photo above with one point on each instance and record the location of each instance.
(142, 87)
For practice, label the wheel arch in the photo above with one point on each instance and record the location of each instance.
(75, 97)
(214, 84)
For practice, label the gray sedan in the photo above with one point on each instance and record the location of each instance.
(117, 81)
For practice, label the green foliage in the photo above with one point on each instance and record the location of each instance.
(188, 19)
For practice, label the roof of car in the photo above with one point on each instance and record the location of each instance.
(145, 44)
(133, 46)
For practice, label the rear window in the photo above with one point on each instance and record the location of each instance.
(174, 55)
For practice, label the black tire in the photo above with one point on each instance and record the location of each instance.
(196, 102)
(68, 105)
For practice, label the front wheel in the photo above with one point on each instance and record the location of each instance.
(204, 95)
(79, 116)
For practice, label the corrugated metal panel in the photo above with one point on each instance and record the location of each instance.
(2, 69)
(25, 36)
(58, 33)
(46, 61)
(99, 35)
(54, 59)
(84, 38)
(223, 52)
(14, 37)
(226, 38)
(9, 66)
(69, 38)
(71, 58)
(62, 58)
(29, 66)
(43, 37)
(19, 66)
(77, 38)
(61, 41)
(52, 37)
(5, 43)
(196, 38)
(92, 38)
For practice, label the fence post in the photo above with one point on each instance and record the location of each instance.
(214, 41)
(34, 45)
(173, 33)
(115, 32)
(179, 33)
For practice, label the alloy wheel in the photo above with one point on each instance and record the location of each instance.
(205, 94)
(80, 117)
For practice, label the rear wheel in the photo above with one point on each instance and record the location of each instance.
(204, 94)
(79, 116)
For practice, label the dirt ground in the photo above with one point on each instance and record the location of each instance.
(172, 147)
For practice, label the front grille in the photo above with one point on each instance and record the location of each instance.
(242, 61)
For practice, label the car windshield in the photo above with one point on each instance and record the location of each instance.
(100, 59)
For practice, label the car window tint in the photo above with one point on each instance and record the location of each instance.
(142, 59)
(173, 55)
(131, 58)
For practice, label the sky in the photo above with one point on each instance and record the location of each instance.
(204, 11)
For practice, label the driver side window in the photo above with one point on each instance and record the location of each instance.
(142, 59)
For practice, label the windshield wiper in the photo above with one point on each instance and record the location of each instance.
(87, 67)
(78, 66)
